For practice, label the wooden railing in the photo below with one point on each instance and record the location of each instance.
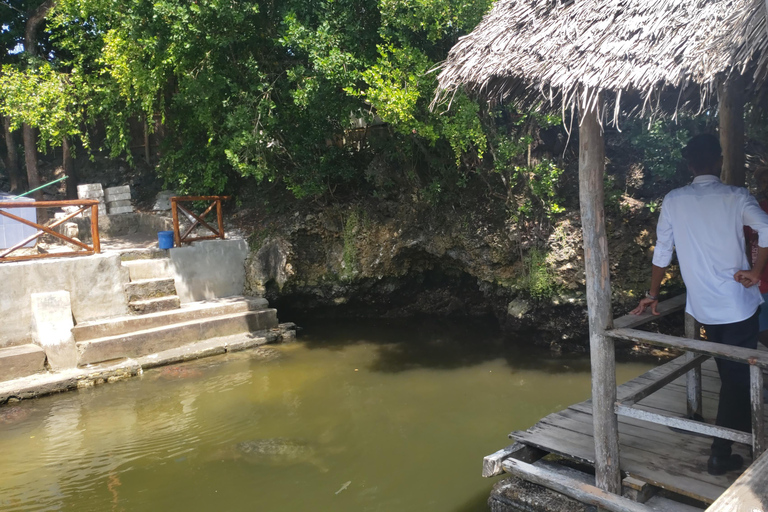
(697, 351)
(83, 204)
(199, 220)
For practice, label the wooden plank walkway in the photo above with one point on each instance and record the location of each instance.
(675, 461)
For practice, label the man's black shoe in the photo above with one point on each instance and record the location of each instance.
(719, 465)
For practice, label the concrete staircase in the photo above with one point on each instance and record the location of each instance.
(152, 288)
(139, 335)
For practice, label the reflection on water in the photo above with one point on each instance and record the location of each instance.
(363, 416)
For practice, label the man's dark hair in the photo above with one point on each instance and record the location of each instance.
(702, 151)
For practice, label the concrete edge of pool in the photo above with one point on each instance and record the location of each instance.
(42, 384)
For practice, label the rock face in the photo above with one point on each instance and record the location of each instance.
(389, 259)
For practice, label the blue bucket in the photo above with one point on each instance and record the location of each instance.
(165, 239)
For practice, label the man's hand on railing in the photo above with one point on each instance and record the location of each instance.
(748, 278)
(644, 303)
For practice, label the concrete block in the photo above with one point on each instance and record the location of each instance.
(118, 204)
(150, 289)
(163, 200)
(52, 317)
(117, 197)
(121, 209)
(156, 268)
(89, 191)
(141, 307)
(210, 269)
(21, 361)
(123, 189)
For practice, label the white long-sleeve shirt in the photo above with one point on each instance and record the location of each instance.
(704, 222)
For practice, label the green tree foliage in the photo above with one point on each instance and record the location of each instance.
(40, 96)
(320, 96)
(272, 90)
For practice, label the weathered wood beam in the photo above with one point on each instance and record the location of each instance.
(748, 492)
(659, 383)
(664, 308)
(573, 488)
(693, 377)
(684, 424)
(758, 418)
(738, 354)
(731, 93)
(492, 463)
(598, 277)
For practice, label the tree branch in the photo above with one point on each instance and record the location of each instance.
(34, 18)
(8, 5)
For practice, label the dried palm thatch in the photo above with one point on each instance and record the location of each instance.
(641, 55)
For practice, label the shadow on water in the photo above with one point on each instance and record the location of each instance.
(437, 343)
(444, 344)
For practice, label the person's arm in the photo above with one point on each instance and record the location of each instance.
(662, 257)
(754, 217)
(751, 277)
(657, 275)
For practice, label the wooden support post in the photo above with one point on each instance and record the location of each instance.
(95, 229)
(573, 488)
(220, 218)
(758, 418)
(175, 215)
(731, 93)
(693, 377)
(598, 276)
(492, 463)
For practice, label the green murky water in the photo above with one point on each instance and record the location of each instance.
(404, 411)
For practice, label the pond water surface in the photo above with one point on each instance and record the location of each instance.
(355, 416)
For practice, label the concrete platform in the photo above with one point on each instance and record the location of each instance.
(92, 375)
(21, 361)
(158, 339)
(191, 311)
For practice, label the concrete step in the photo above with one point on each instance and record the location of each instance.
(21, 361)
(148, 268)
(150, 289)
(150, 341)
(143, 307)
(190, 311)
(142, 254)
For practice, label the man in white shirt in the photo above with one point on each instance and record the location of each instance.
(704, 222)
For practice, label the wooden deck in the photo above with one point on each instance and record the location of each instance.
(664, 458)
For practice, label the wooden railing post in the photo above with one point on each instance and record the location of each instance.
(693, 377)
(220, 218)
(175, 215)
(95, 229)
(597, 269)
(758, 418)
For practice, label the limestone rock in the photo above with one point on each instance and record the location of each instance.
(163, 200)
(268, 265)
(518, 308)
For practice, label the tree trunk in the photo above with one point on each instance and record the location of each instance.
(34, 19)
(30, 158)
(598, 276)
(11, 156)
(147, 154)
(69, 169)
(731, 94)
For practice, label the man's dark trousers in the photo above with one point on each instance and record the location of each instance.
(734, 409)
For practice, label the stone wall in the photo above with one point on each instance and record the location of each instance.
(209, 269)
(95, 284)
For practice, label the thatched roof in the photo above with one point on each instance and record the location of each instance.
(646, 53)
